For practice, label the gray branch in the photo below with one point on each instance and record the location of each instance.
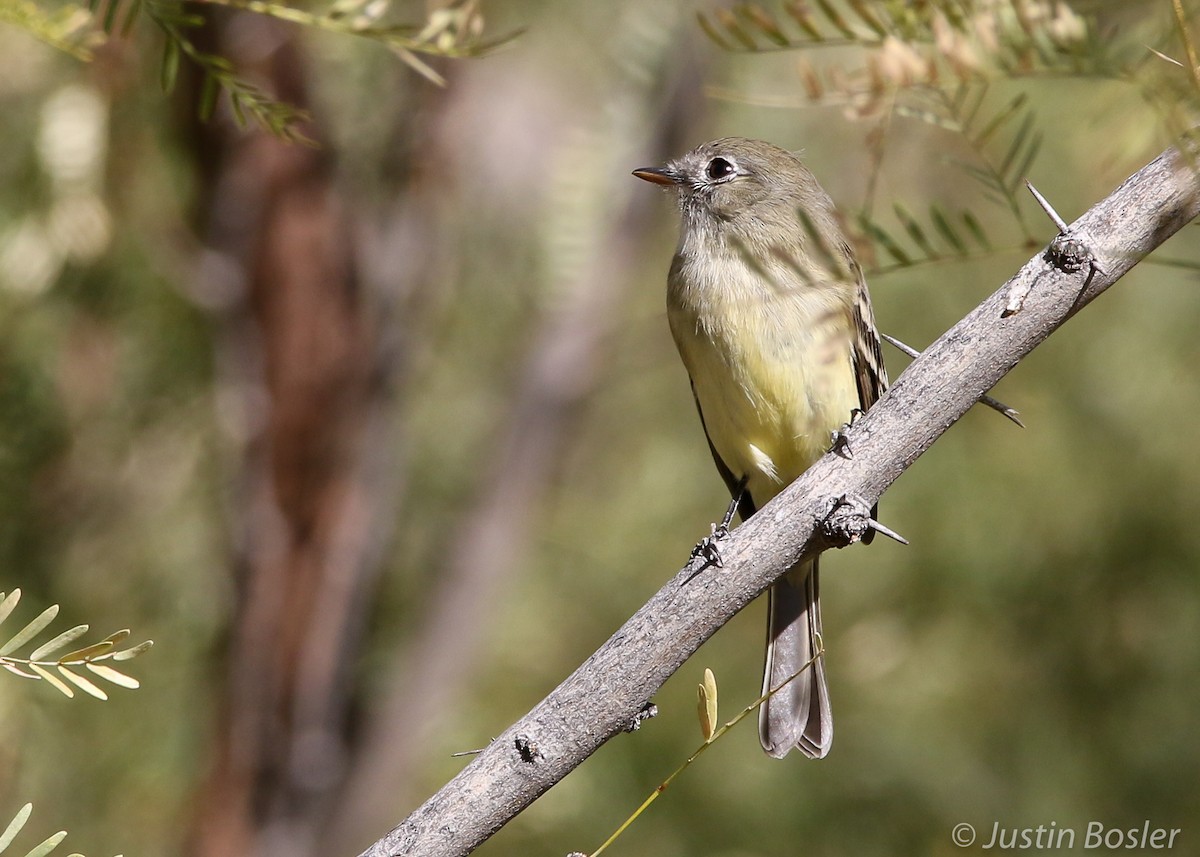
(604, 695)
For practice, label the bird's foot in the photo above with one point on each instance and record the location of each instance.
(708, 548)
(839, 439)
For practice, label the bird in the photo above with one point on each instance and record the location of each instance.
(770, 312)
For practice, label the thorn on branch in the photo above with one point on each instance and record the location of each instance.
(1048, 208)
(847, 522)
(528, 749)
(1066, 252)
(995, 404)
(907, 349)
(1002, 409)
(647, 711)
(885, 531)
(462, 753)
(850, 519)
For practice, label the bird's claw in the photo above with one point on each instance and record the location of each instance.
(709, 547)
(839, 439)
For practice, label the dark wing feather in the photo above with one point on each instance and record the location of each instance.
(746, 506)
(866, 356)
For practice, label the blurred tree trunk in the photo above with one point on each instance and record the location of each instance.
(569, 343)
(303, 384)
(301, 367)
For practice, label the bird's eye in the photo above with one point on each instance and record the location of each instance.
(719, 168)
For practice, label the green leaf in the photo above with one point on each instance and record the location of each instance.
(130, 654)
(131, 15)
(110, 15)
(16, 670)
(84, 684)
(1006, 113)
(1031, 152)
(818, 248)
(884, 240)
(868, 18)
(220, 65)
(712, 32)
(972, 112)
(65, 27)
(115, 676)
(9, 603)
(209, 91)
(48, 845)
(421, 67)
(14, 826)
(915, 232)
(31, 630)
(956, 16)
(169, 71)
(763, 20)
(58, 642)
(985, 177)
(1000, 198)
(734, 28)
(836, 19)
(942, 225)
(706, 705)
(976, 230)
(484, 46)
(86, 653)
(54, 680)
(239, 111)
(1018, 141)
(798, 9)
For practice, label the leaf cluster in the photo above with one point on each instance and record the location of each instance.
(68, 29)
(43, 848)
(965, 37)
(941, 236)
(454, 30)
(64, 674)
(935, 62)
(63, 671)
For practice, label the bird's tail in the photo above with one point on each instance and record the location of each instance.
(798, 715)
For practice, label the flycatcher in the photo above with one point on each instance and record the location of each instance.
(771, 315)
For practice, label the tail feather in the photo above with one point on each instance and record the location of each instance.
(798, 715)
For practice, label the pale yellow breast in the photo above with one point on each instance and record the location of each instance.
(769, 357)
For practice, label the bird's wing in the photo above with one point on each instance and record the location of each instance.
(746, 506)
(867, 356)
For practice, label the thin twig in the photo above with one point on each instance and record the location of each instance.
(1186, 37)
(995, 404)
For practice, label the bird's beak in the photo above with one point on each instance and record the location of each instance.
(658, 175)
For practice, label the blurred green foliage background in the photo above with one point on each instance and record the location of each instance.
(1031, 657)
